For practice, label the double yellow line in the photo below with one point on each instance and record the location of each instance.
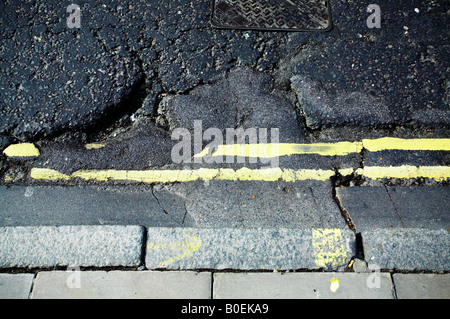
(439, 173)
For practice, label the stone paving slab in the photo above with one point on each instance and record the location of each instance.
(96, 246)
(195, 204)
(74, 284)
(422, 207)
(407, 249)
(256, 204)
(64, 206)
(300, 286)
(248, 249)
(368, 207)
(15, 286)
(122, 285)
(373, 208)
(422, 286)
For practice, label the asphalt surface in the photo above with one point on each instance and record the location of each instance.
(56, 80)
(108, 96)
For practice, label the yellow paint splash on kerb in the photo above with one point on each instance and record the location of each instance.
(329, 247)
(22, 150)
(181, 249)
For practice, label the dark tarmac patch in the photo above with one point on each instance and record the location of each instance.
(244, 99)
(55, 80)
(143, 148)
(376, 84)
(378, 77)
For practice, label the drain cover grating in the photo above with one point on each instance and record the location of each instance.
(272, 15)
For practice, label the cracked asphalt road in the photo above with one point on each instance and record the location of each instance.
(55, 80)
(136, 70)
(362, 114)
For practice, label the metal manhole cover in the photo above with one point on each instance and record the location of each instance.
(272, 15)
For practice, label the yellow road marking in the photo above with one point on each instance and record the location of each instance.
(283, 149)
(422, 144)
(94, 146)
(329, 249)
(48, 174)
(171, 176)
(327, 149)
(21, 150)
(439, 173)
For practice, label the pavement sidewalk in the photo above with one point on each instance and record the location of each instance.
(180, 263)
(74, 284)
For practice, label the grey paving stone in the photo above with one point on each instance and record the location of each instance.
(422, 286)
(422, 207)
(64, 206)
(231, 204)
(15, 286)
(98, 246)
(122, 285)
(248, 249)
(300, 286)
(396, 207)
(369, 207)
(407, 249)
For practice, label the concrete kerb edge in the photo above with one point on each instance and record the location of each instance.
(178, 259)
(33, 249)
(266, 249)
(407, 250)
(59, 247)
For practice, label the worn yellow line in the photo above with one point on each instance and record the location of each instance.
(271, 150)
(22, 150)
(391, 143)
(327, 149)
(283, 149)
(438, 173)
(47, 174)
(94, 146)
(171, 176)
